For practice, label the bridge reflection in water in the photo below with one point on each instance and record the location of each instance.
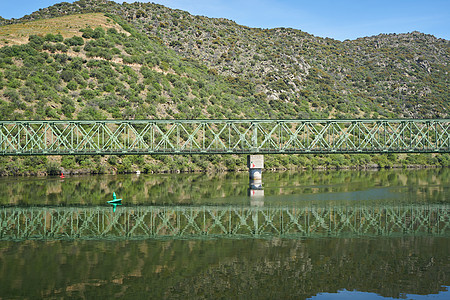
(143, 222)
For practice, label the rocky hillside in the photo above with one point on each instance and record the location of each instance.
(291, 73)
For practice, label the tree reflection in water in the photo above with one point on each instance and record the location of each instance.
(224, 268)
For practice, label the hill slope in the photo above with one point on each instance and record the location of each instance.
(404, 75)
(106, 73)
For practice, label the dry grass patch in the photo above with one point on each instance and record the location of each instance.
(67, 26)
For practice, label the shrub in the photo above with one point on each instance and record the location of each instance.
(53, 168)
(36, 41)
(74, 41)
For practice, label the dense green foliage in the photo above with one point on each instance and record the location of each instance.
(169, 64)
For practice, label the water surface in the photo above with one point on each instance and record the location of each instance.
(327, 235)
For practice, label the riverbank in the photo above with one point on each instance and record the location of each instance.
(77, 165)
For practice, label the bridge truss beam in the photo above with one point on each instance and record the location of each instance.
(223, 136)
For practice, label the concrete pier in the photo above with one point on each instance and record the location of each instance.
(255, 164)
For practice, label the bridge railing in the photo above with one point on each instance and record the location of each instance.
(223, 136)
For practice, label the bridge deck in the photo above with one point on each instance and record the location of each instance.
(223, 136)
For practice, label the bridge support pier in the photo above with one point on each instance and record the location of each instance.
(255, 164)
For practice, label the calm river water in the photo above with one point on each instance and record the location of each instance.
(304, 235)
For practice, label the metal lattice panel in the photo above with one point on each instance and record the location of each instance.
(204, 221)
(223, 136)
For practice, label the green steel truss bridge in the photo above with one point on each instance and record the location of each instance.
(144, 222)
(223, 136)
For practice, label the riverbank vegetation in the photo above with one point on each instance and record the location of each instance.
(83, 164)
